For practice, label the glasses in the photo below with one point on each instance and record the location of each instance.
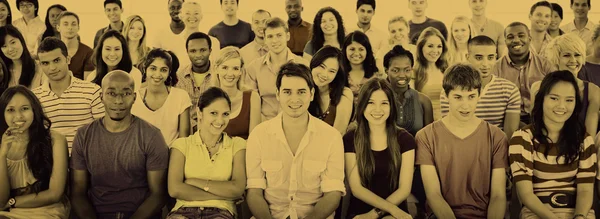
(26, 5)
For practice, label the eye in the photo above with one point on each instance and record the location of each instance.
(570, 100)
(553, 98)
(226, 114)
(213, 113)
(370, 102)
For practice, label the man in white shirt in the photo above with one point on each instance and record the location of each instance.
(581, 25)
(365, 10)
(294, 162)
(257, 47)
(30, 25)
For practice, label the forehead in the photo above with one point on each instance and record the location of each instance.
(55, 10)
(18, 99)
(459, 24)
(417, 1)
(378, 95)
(580, 1)
(562, 89)
(175, 2)
(68, 18)
(460, 91)
(397, 24)
(292, 2)
(51, 55)
(160, 62)
(118, 85)
(190, 7)
(482, 49)
(137, 23)
(219, 104)
(542, 9)
(366, 7)
(112, 5)
(260, 16)
(400, 62)
(198, 43)
(112, 41)
(293, 83)
(433, 40)
(331, 63)
(569, 50)
(276, 30)
(328, 15)
(516, 29)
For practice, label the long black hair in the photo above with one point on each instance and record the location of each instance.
(28, 70)
(573, 132)
(369, 65)
(49, 28)
(318, 38)
(336, 87)
(170, 61)
(101, 68)
(9, 15)
(39, 148)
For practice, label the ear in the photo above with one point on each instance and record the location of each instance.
(68, 60)
(287, 36)
(134, 96)
(312, 94)
(277, 94)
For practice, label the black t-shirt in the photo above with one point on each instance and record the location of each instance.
(380, 182)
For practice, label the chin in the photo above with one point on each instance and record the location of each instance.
(118, 119)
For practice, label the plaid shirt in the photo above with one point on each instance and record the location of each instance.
(187, 83)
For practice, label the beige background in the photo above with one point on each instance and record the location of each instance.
(155, 13)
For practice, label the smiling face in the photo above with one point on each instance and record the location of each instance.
(294, 96)
(3, 12)
(54, 64)
(329, 24)
(276, 39)
(417, 7)
(559, 103)
(294, 9)
(259, 24)
(517, 40)
(214, 117)
(478, 7)
(136, 31)
(198, 52)
(175, 9)
(68, 27)
(570, 60)
(356, 53)
(462, 103)
(230, 72)
(324, 74)
(555, 22)
(229, 7)
(580, 8)
(27, 9)
(191, 15)
(398, 32)
(461, 32)
(19, 112)
(12, 48)
(53, 15)
(483, 58)
(432, 49)
(157, 72)
(399, 72)
(365, 13)
(540, 18)
(112, 52)
(378, 108)
(113, 12)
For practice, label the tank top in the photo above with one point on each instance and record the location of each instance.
(240, 125)
(329, 116)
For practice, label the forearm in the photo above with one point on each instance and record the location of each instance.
(497, 207)
(373, 200)
(584, 201)
(259, 207)
(325, 206)
(227, 189)
(33, 200)
(399, 196)
(536, 206)
(83, 208)
(440, 207)
(151, 206)
(188, 192)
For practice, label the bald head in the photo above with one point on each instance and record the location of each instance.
(117, 77)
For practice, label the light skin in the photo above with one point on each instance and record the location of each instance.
(461, 33)
(432, 49)
(323, 75)
(399, 74)
(112, 52)
(230, 8)
(134, 35)
(329, 26)
(113, 13)
(259, 25)
(365, 14)
(555, 22)
(356, 54)
(479, 19)
(540, 20)
(53, 15)
(68, 27)
(418, 7)
(3, 14)
(27, 9)
(13, 49)
(276, 40)
(580, 8)
(56, 67)
(398, 33)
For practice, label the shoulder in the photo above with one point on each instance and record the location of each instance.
(38, 90)
(324, 129)
(347, 92)
(88, 127)
(423, 98)
(179, 92)
(146, 127)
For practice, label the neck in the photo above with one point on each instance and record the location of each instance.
(486, 81)
(201, 69)
(355, 67)
(324, 90)
(580, 22)
(111, 68)
(461, 47)
(331, 39)
(259, 40)
(231, 91)
(364, 27)
(537, 35)
(154, 88)
(279, 58)
(289, 123)
(378, 129)
(554, 33)
(456, 123)
(70, 42)
(295, 22)
(117, 126)
(208, 138)
(133, 44)
(28, 18)
(431, 65)
(519, 60)
(116, 25)
(178, 23)
(419, 20)
(17, 62)
(479, 18)
(230, 20)
(60, 86)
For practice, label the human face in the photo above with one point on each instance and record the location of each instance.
(399, 72)
(112, 52)
(378, 108)
(462, 103)
(3, 12)
(214, 117)
(113, 12)
(365, 13)
(53, 14)
(191, 15)
(229, 7)
(12, 48)
(478, 7)
(293, 8)
(19, 112)
(570, 60)
(54, 64)
(324, 74)
(198, 52)
(559, 103)
(118, 97)
(540, 19)
(580, 8)
(398, 32)
(417, 7)
(555, 22)
(175, 9)
(259, 24)
(461, 32)
(230, 72)
(294, 96)
(157, 72)
(27, 9)
(329, 24)
(356, 53)
(432, 49)
(136, 31)
(517, 40)
(68, 27)
(276, 39)
(483, 58)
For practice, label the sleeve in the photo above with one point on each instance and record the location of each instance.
(406, 141)
(587, 162)
(514, 101)
(157, 151)
(424, 149)
(254, 173)
(308, 48)
(78, 161)
(499, 149)
(88, 65)
(96, 105)
(251, 72)
(444, 104)
(186, 102)
(348, 141)
(332, 179)
(238, 144)
(212, 31)
(181, 145)
(97, 37)
(520, 155)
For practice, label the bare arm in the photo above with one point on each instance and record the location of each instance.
(258, 205)
(531, 201)
(436, 201)
(405, 181)
(232, 189)
(344, 111)
(585, 198)
(158, 195)
(497, 206)
(511, 123)
(184, 123)
(326, 205)
(255, 116)
(427, 109)
(79, 195)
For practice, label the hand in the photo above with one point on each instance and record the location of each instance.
(369, 215)
(400, 214)
(8, 138)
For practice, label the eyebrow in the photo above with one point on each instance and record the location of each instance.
(556, 95)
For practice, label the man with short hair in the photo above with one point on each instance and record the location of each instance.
(113, 10)
(521, 66)
(119, 162)
(256, 48)
(420, 21)
(365, 10)
(483, 25)
(176, 25)
(294, 162)
(463, 159)
(30, 25)
(68, 102)
(262, 72)
(540, 16)
(232, 31)
(299, 29)
(195, 77)
(499, 101)
(80, 54)
(581, 24)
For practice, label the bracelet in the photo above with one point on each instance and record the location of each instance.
(579, 215)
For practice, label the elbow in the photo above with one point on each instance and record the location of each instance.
(56, 196)
(172, 190)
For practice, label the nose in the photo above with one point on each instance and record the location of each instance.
(572, 59)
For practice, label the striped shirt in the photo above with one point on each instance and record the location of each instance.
(188, 83)
(497, 99)
(78, 105)
(546, 174)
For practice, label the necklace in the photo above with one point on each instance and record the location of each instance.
(216, 145)
(481, 27)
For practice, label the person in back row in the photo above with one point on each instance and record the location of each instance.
(420, 21)
(232, 31)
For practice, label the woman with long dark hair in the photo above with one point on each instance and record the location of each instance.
(22, 67)
(52, 21)
(379, 156)
(328, 29)
(33, 159)
(358, 61)
(553, 160)
(332, 100)
(5, 13)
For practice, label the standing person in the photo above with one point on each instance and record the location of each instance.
(159, 103)
(113, 10)
(540, 16)
(482, 25)
(30, 25)
(202, 192)
(581, 24)
(51, 22)
(232, 31)
(22, 68)
(176, 25)
(365, 10)
(463, 159)
(257, 47)
(398, 35)
(69, 102)
(461, 31)
(294, 162)
(125, 180)
(592, 64)
(5, 13)
(359, 61)
(33, 160)
(328, 30)
(563, 157)
(376, 153)
(557, 17)
(299, 29)
(420, 21)
(80, 55)
(135, 35)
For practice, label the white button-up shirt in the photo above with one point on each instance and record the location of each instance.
(585, 33)
(293, 184)
(32, 32)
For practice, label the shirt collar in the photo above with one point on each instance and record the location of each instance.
(226, 140)
(510, 62)
(120, 31)
(46, 84)
(301, 24)
(189, 70)
(267, 59)
(589, 26)
(276, 126)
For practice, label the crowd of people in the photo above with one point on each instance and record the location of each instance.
(292, 120)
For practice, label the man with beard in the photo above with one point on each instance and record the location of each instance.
(420, 21)
(581, 25)
(540, 16)
(256, 48)
(119, 161)
(299, 29)
(482, 25)
(294, 162)
(521, 66)
(113, 10)
(365, 10)
(195, 77)
(81, 54)
(232, 31)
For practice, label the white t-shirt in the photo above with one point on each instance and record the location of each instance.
(166, 118)
(176, 43)
(136, 74)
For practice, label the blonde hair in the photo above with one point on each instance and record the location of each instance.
(452, 44)
(569, 41)
(402, 20)
(421, 63)
(142, 49)
(226, 54)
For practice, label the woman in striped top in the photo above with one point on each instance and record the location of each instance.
(553, 160)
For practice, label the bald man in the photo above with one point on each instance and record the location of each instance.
(119, 161)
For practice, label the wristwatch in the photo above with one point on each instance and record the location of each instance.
(12, 202)
(379, 212)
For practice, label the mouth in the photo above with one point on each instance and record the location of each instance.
(295, 106)
(118, 110)
(573, 66)
(402, 81)
(464, 113)
(19, 123)
(377, 115)
(517, 46)
(357, 58)
(157, 80)
(322, 78)
(229, 79)
(111, 59)
(560, 113)
(328, 28)
(217, 126)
